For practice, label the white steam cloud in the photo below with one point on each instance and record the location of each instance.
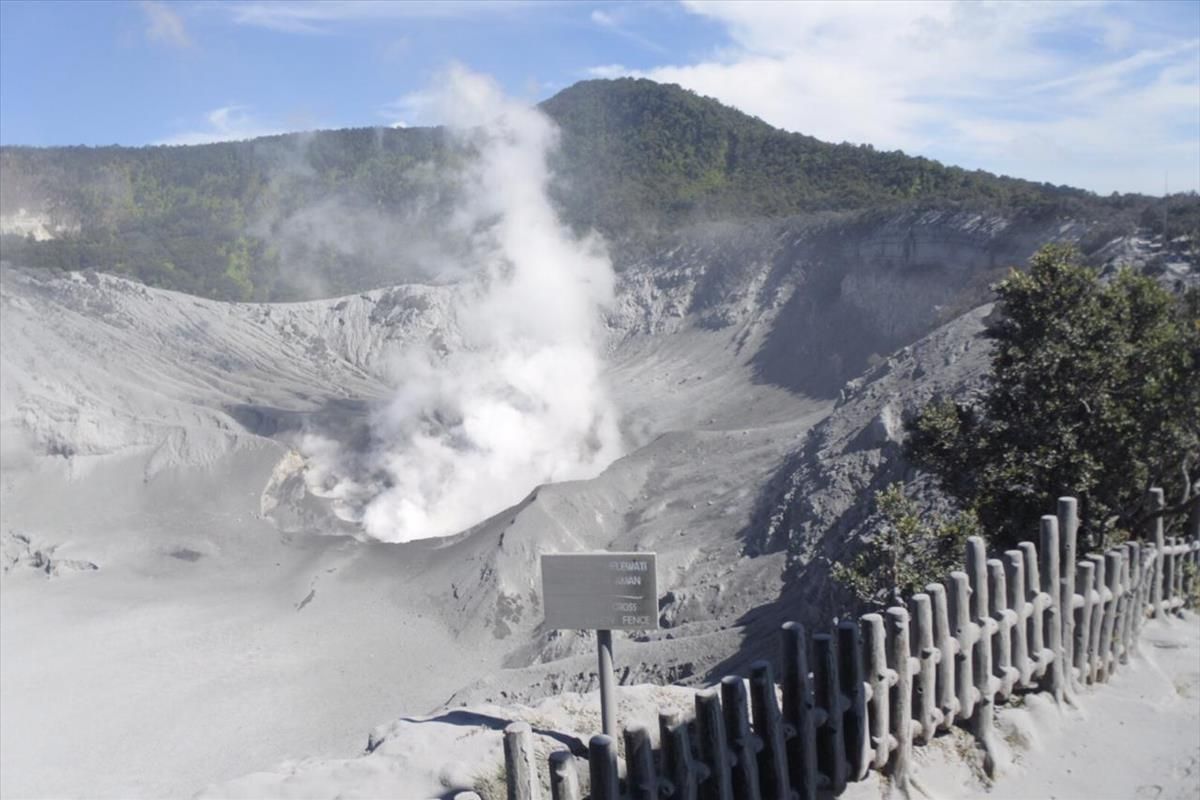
(522, 401)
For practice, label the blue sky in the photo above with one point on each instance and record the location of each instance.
(1102, 95)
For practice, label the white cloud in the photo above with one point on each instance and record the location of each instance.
(164, 25)
(225, 124)
(1064, 92)
(320, 16)
(411, 109)
(609, 71)
(614, 22)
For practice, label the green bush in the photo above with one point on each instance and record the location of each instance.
(907, 553)
(1093, 393)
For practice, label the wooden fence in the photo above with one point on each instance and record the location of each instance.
(863, 695)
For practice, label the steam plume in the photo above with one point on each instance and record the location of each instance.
(522, 402)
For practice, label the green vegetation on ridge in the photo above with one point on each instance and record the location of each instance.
(267, 219)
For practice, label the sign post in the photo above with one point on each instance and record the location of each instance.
(604, 592)
(608, 693)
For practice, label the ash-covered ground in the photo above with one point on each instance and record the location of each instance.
(183, 601)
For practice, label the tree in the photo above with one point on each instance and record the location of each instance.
(1094, 392)
(907, 553)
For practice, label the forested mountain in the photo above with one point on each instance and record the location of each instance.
(322, 213)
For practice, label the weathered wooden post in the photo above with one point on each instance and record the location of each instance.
(1014, 571)
(798, 713)
(1177, 560)
(564, 781)
(1136, 609)
(1120, 626)
(901, 709)
(641, 782)
(520, 767)
(967, 634)
(1112, 574)
(1085, 582)
(677, 763)
(1037, 609)
(1157, 503)
(602, 766)
(1193, 529)
(946, 698)
(1068, 527)
(925, 701)
(768, 727)
(1150, 559)
(714, 750)
(1005, 620)
(977, 572)
(831, 746)
(1169, 576)
(743, 743)
(854, 699)
(1094, 637)
(984, 716)
(1052, 585)
(880, 679)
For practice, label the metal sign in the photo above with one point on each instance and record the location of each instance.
(604, 591)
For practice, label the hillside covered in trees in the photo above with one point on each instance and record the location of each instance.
(315, 214)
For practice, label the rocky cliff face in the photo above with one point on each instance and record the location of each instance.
(820, 297)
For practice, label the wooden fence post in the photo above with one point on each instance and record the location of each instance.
(602, 766)
(1086, 584)
(743, 743)
(854, 700)
(977, 572)
(1193, 536)
(714, 750)
(967, 633)
(798, 712)
(1068, 528)
(1150, 559)
(1129, 634)
(1156, 600)
(901, 710)
(1005, 621)
(564, 781)
(520, 767)
(831, 746)
(1014, 571)
(1177, 561)
(1037, 609)
(677, 763)
(1097, 624)
(925, 700)
(768, 727)
(641, 782)
(1169, 576)
(1112, 574)
(946, 698)
(880, 679)
(1120, 656)
(1052, 585)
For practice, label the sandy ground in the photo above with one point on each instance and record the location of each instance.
(203, 646)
